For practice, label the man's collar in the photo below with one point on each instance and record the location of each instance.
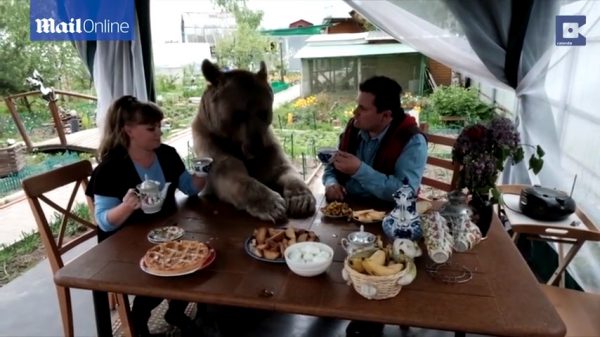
(365, 135)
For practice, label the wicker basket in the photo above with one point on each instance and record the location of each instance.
(373, 287)
(12, 159)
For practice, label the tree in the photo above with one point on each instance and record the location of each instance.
(246, 46)
(57, 62)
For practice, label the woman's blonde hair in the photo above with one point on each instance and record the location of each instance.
(126, 110)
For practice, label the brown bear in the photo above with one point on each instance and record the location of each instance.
(249, 170)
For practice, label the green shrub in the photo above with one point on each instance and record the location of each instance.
(455, 101)
(72, 228)
(165, 83)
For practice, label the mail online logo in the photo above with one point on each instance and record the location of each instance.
(81, 20)
(567, 30)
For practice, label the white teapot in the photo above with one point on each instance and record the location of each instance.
(151, 196)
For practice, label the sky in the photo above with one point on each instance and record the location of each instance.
(165, 14)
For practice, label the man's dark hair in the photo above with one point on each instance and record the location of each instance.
(387, 94)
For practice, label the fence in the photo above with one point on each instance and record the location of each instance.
(11, 183)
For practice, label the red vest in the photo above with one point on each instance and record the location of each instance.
(391, 146)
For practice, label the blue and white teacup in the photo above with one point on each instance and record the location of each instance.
(326, 154)
(201, 165)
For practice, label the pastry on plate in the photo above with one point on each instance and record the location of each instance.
(176, 257)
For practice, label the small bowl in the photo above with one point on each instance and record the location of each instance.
(312, 267)
(325, 154)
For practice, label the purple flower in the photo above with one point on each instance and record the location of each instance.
(482, 150)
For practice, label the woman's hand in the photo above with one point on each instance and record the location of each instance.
(131, 200)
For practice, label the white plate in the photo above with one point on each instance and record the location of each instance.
(335, 216)
(165, 234)
(355, 216)
(366, 222)
(209, 261)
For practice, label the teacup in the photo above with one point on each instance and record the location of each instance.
(326, 154)
(437, 236)
(201, 165)
(466, 236)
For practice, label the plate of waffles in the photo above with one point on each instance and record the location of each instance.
(165, 234)
(176, 258)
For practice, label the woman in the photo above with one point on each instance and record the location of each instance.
(131, 150)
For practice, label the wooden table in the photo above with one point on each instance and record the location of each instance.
(503, 298)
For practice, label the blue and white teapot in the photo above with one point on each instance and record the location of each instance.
(403, 222)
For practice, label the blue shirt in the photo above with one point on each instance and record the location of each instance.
(103, 203)
(369, 183)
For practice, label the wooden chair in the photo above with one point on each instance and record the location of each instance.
(435, 141)
(578, 310)
(41, 188)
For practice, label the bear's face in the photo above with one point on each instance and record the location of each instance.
(239, 106)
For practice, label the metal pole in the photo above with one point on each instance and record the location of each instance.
(281, 72)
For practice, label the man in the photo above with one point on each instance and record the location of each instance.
(380, 147)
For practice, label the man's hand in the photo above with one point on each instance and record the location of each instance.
(335, 192)
(346, 163)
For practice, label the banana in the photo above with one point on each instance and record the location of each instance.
(356, 263)
(368, 266)
(378, 257)
(380, 270)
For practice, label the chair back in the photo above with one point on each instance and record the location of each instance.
(44, 188)
(442, 174)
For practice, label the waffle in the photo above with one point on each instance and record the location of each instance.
(176, 257)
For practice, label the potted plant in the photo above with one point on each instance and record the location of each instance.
(482, 151)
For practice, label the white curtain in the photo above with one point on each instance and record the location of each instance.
(557, 91)
(118, 70)
(434, 42)
(572, 82)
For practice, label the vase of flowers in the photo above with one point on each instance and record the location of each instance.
(482, 151)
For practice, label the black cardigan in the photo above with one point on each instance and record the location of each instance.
(116, 174)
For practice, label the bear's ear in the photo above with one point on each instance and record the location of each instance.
(262, 73)
(211, 72)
